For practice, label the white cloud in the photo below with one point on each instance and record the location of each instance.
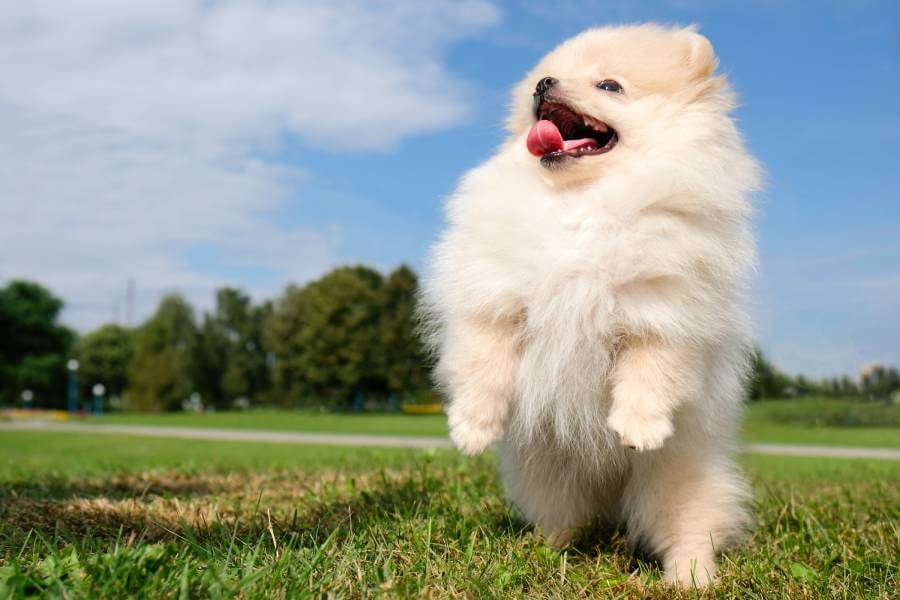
(134, 131)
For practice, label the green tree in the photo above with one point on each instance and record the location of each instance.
(805, 386)
(282, 339)
(231, 358)
(161, 375)
(325, 338)
(879, 381)
(766, 381)
(401, 356)
(847, 387)
(34, 346)
(105, 354)
(211, 358)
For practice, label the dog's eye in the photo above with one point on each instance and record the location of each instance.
(608, 85)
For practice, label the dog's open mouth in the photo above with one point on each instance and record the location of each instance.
(561, 132)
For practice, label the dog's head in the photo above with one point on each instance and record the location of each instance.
(604, 95)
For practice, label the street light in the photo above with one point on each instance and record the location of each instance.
(72, 366)
(99, 389)
(27, 397)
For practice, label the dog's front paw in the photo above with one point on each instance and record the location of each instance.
(640, 431)
(474, 435)
(473, 438)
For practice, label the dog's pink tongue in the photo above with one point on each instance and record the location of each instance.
(544, 138)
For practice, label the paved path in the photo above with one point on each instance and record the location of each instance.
(823, 451)
(388, 441)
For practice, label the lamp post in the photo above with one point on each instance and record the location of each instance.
(27, 397)
(99, 390)
(72, 366)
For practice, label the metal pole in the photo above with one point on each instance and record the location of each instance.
(99, 391)
(73, 390)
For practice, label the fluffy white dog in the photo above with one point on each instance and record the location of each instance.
(586, 299)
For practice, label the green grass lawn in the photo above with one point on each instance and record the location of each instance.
(807, 421)
(111, 517)
(46, 455)
(275, 420)
(823, 421)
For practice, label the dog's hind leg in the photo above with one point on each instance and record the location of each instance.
(551, 493)
(685, 504)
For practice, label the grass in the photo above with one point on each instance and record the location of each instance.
(274, 420)
(828, 412)
(45, 455)
(805, 421)
(162, 518)
(823, 421)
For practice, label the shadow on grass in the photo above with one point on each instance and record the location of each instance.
(452, 514)
(114, 489)
(304, 507)
(70, 511)
(451, 505)
(426, 494)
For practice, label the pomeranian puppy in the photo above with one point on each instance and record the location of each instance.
(586, 299)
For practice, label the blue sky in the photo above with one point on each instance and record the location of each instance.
(272, 179)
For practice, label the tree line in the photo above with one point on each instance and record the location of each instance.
(874, 382)
(345, 340)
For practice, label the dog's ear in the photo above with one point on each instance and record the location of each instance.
(700, 56)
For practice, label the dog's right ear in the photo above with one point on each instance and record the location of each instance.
(700, 56)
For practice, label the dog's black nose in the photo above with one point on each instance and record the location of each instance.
(544, 84)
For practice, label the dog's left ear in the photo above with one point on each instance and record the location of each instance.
(700, 56)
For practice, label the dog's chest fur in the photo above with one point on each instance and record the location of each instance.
(570, 326)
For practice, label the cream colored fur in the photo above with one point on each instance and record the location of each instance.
(590, 320)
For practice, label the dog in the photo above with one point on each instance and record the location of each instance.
(586, 301)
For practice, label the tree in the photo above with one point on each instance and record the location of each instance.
(805, 387)
(766, 381)
(879, 381)
(325, 338)
(105, 354)
(231, 358)
(401, 356)
(211, 358)
(762, 377)
(34, 347)
(281, 337)
(847, 387)
(161, 375)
